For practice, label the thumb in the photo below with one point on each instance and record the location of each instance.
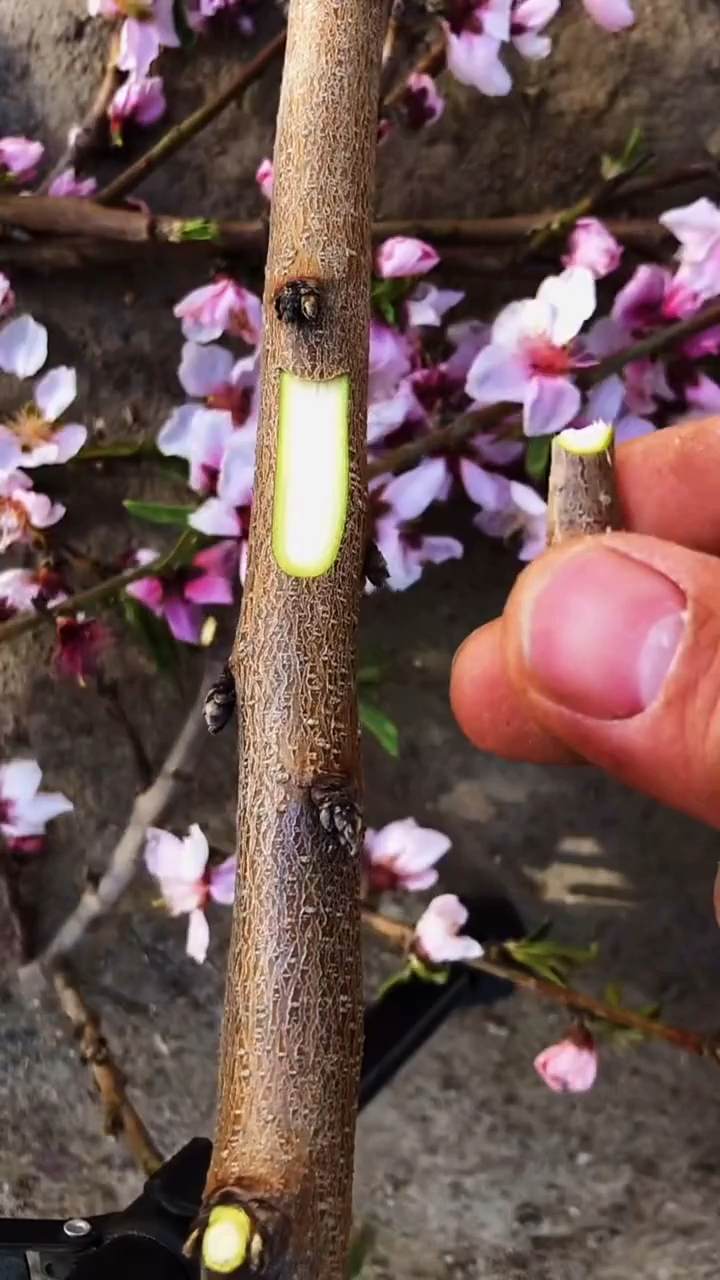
(613, 646)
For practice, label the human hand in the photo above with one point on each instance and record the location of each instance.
(608, 650)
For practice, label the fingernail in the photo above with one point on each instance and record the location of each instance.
(602, 633)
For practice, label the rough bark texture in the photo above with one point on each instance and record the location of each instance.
(582, 494)
(291, 1043)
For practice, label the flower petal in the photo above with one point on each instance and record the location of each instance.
(409, 495)
(222, 882)
(216, 519)
(184, 620)
(23, 347)
(69, 440)
(198, 936)
(572, 298)
(19, 780)
(204, 369)
(497, 375)
(612, 15)
(550, 404)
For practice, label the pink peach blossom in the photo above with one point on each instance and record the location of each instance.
(402, 256)
(142, 101)
(226, 514)
(23, 589)
(19, 158)
(221, 307)
(147, 28)
(438, 939)
(31, 438)
(186, 881)
(402, 855)
(591, 245)
(511, 508)
(570, 1066)
(24, 809)
(390, 360)
(530, 358)
(23, 347)
(399, 501)
(527, 19)
(427, 305)
(264, 177)
(22, 510)
(179, 597)
(612, 15)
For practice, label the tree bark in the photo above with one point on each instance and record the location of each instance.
(292, 1029)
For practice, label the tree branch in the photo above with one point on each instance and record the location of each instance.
(181, 133)
(148, 810)
(401, 935)
(121, 1118)
(292, 1027)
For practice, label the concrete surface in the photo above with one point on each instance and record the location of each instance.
(467, 1165)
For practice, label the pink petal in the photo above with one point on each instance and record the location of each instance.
(264, 178)
(41, 510)
(204, 369)
(209, 589)
(613, 15)
(69, 440)
(437, 931)
(572, 299)
(567, 1067)
(592, 246)
(23, 347)
(387, 415)
(496, 375)
(198, 936)
(605, 400)
(55, 391)
(216, 520)
(474, 60)
(534, 14)
(139, 47)
(222, 882)
(550, 404)
(68, 184)
(149, 591)
(703, 393)
(639, 303)
(7, 297)
(402, 256)
(220, 560)
(486, 488)
(630, 427)
(437, 549)
(427, 305)
(532, 46)
(409, 495)
(19, 780)
(389, 360)
(238, 469)
(165, 24)
(184, 620)
(696, 226)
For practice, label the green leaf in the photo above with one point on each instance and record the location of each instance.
(537, 457)
(614, 166)
(196, 229)
(381, 727)
(160, 512)
(154, 635)
(362, 1241)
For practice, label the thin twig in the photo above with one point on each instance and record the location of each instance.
(181, 133)
(561, 223)
(401, 936)
(148, 809)
(94, 130)
(121, 1118)
(25, 622)
(430, 64)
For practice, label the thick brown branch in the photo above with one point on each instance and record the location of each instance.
(181, 133)
(290, 1052)
(121, 1118)
(148, 810)
(401, 935)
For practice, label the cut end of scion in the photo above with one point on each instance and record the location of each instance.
(313, 474)
(227, 1240)
(586, 441)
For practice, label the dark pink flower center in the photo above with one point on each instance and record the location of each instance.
(547, 359)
